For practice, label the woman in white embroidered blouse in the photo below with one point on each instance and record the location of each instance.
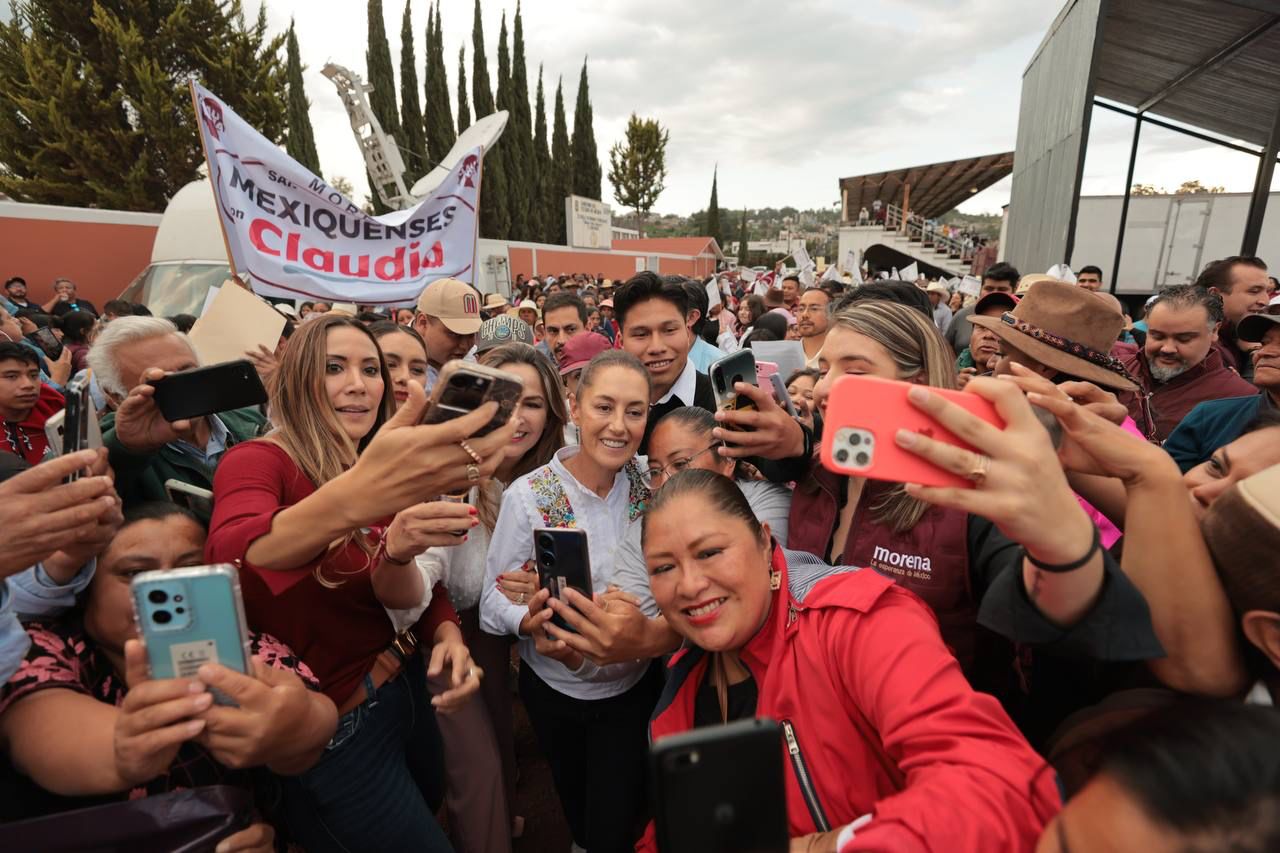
(591, 721)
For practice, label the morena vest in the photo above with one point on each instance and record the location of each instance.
(931, 559)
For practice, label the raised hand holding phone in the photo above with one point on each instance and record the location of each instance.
(865, 412)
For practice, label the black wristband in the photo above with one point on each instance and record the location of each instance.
(1060, 568)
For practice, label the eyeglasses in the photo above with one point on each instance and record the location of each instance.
(677, 465)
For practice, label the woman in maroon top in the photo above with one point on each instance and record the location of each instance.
(324, 516)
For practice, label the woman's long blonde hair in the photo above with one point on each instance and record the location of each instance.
(920, 354)
(306, 426)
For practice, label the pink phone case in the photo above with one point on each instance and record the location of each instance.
(880, 407)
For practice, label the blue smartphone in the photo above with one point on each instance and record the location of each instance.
(189, 617)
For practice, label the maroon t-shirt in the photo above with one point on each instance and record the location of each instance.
(338, 629)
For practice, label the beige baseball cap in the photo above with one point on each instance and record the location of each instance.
(454, 303)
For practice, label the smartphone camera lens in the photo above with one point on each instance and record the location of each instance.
(546, 542)
(842, 455)
(162, 617)
(157, 596)
(862, 459)
(855, 439)
(546, 558)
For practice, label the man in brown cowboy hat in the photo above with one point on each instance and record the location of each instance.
(1065, 332)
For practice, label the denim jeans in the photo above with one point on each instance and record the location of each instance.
(380, 780)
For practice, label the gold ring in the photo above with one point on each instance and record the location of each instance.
(981, 466)
(475, 457)
(473, 473)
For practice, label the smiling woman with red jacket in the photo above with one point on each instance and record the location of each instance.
(887, 745)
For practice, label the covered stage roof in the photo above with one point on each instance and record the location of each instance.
(1209, 69)
(1212, 64)
(935, 188)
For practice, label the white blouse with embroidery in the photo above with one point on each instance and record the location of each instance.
(552, 497)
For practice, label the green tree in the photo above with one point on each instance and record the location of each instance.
(586, 162)
(513, 169)
(742, 240)
(543, 200)
(301, 142)
(1194, 187)
(561, 167)
(414, 144)
(438, 118)
(638, 168)
(95, 108)
(464, 111)
(524, 175)
(382, 80)
(495, 221)
(713, 211)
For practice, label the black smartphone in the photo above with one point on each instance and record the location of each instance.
(563, 562)
(736, 367)
(721, 789)
(78, 411)
(44, 338)
(463, 387)
(206, 390)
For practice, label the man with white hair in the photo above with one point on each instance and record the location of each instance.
(146, 450)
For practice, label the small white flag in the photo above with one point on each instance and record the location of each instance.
(849, 263)
(1062, 272)
(801, 254)
(911, 272)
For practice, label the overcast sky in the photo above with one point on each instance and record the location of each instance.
(785, 97)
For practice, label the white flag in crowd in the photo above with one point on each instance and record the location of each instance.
(292, 235)
(806, 277)
(831, 274)
(970, 285)
(910, 272)
(801, 254)
(849, 263)
(1062, 272)
(747, 274)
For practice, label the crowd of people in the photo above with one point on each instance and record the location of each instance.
(1077, 651)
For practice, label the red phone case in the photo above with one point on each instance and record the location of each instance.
(880, 406)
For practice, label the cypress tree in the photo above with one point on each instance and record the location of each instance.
(438, 118)
(414, 145)
(561, 175)
(95, 107)
(586, 163)
(742, 240)
(495, 221)
(464, 111)
(517, 200)
(382, 77)
(713, 212)
(301, 142)
(525, 174)
(542, 204)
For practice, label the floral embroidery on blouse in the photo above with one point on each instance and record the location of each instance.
(551, 499)
(638, 495)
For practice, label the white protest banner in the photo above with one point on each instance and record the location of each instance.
(831, 274)
(713, 294)
(849, 263)
(910, 272)
(970, 285)
(747, 274)
(806, 277)
(292, 235)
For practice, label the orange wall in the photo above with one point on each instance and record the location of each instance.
(100, 258)
(615, 265)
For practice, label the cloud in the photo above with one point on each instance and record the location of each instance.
(784, 98)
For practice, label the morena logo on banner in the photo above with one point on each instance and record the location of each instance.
(470, 168)
(211, 115)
